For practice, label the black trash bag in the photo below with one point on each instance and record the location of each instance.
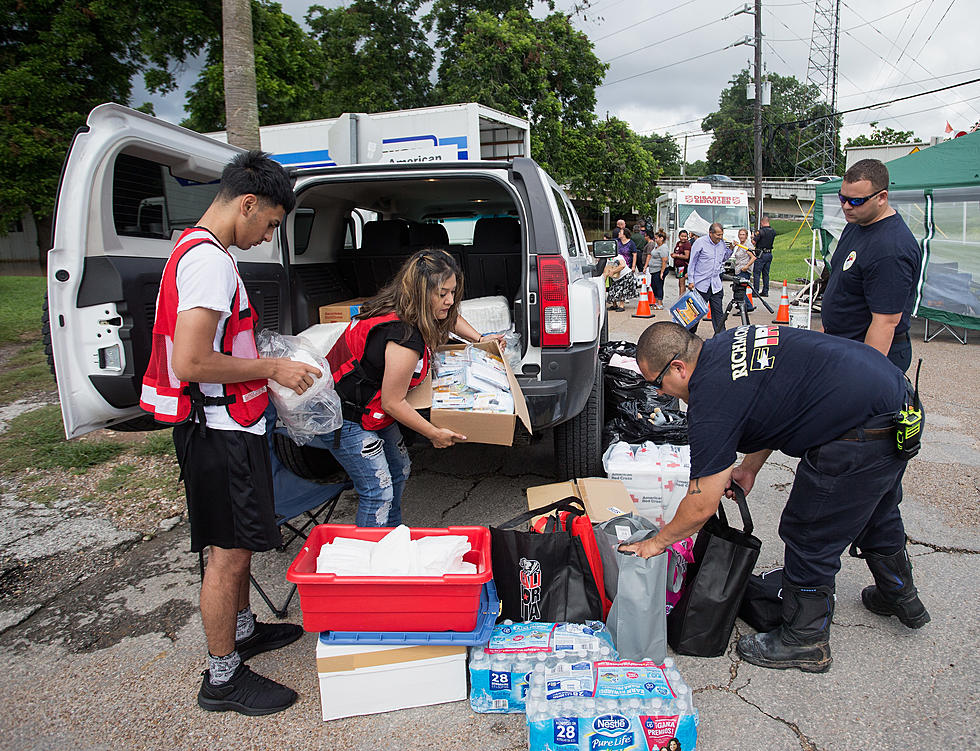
(607, 350)
(639, 428)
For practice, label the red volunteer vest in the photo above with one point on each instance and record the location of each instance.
(344, 359)
(170, 400)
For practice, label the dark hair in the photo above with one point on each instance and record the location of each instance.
(871, 170)
(660, 233)
(409, 295)
(661, 340)
(254, 172)
(684, 231)
(626, 233)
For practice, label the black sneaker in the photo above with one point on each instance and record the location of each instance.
(246, 692)
(266, 637)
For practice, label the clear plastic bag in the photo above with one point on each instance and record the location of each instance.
(317, 410)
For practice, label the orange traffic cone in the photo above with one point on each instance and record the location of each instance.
(782, 315)
(748, 296)
(708, 317)
(643, 304)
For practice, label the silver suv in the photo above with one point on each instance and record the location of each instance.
(131, 183)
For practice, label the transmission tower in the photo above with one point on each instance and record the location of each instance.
(817, 152)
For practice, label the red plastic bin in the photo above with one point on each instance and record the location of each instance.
(329, 602)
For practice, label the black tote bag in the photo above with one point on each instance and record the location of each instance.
(701, 622)
(544, 576)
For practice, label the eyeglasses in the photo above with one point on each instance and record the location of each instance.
(858, 201)
(658, 382)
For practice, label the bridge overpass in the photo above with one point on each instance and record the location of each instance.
(781, 196)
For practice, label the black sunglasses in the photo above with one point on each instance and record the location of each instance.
(658, 382)
(858, 201)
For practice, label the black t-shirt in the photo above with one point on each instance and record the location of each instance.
(766, 235)
(373, 361)
(875, 269)
(781, 388)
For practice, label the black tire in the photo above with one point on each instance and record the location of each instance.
(309, 463)
(46, 337)
(578, 442)
(604, 334)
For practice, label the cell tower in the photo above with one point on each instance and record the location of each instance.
(817, 152)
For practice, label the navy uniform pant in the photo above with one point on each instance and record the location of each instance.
(845, 491)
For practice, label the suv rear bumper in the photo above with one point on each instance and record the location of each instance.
(564, 385)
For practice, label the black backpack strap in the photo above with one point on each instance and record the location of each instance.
(743, 509)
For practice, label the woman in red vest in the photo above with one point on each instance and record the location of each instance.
(385, 351)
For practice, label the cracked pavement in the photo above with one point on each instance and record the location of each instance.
(110, 656)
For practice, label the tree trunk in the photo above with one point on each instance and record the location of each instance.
(241, 100)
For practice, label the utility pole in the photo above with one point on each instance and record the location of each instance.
(684, 160)
(757, 114)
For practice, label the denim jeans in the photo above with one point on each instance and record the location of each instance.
(377, 463)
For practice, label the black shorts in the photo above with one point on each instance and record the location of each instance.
(228, 482)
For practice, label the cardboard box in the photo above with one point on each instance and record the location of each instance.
(603, 498)
(478, 427)
(341, 312)
(359, 680)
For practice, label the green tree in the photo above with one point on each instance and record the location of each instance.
(540, 69)
(794, 105)
(697, 168)
(881, 137)
(288, 71)
(61, 58)
(665, 150)
(376, 57)
(238, 53)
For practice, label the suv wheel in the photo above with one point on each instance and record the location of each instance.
(305, 461)
(578, 442)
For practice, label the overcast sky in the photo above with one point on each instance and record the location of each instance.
(668, 65)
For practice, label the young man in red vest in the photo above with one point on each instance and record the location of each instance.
(206, 379)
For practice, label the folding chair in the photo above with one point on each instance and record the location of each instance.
(300, 504)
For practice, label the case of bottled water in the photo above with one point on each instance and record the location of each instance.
(499, 672)
(626, 706)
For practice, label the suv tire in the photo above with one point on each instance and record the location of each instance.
(578, 441)
(304, 461)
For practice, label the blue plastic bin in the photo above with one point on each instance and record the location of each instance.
(489, 610)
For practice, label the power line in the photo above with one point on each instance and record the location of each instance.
(664, 67)
(673, 38)
(648, 18)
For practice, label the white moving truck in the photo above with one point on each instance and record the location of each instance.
(448, 133)
(699, 205)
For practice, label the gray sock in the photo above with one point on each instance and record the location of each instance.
(222, 668)
(245, 625)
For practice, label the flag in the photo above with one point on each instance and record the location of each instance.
(949, 128)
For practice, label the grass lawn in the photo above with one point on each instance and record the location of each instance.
(789, 261)
(21, 298)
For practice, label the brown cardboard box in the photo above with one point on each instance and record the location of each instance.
(340, 312)
(603, 498)
(478, 427)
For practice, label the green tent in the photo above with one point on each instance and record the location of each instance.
(937, 192)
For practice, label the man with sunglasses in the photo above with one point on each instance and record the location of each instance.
(829, 401)
(875, 268)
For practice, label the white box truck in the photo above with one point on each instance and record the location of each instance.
(699, 205)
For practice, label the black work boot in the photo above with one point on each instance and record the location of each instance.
(893, 592)
(802, 640)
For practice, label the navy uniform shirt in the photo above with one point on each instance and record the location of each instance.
(875, 269)
(781, 388)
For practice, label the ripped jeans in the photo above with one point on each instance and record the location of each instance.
(378, 465)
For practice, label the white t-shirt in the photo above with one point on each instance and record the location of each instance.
(206, 278)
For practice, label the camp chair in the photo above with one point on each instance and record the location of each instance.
(300, 505)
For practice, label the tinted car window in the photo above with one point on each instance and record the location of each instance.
(568, 230)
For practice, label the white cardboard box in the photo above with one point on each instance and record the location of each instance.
(359, 680)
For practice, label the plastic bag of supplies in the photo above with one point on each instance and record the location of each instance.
(317, 410)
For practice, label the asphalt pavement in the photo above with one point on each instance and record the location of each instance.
(110, 655)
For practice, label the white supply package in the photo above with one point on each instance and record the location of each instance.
(656, 476)
(471, 380)
(488, 315)
(317, 410)
(627, 706)
(626, 363)
(396, 554)
(499, 672)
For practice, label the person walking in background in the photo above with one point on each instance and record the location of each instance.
(623, 280)
(657, 265)
(875, 268)
(762, 240)
(708, 255)
(682, 256)
(744, 259)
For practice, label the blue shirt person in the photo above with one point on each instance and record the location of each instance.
(708, 254)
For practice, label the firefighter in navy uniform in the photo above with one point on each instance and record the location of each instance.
(831, 402)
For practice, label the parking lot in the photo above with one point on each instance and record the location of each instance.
(111, 656)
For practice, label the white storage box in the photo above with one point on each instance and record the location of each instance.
(359, 680)
(488, 315)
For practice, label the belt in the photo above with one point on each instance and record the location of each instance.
(763, 252)
(868, 434)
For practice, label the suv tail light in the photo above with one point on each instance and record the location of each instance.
(553, 293)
